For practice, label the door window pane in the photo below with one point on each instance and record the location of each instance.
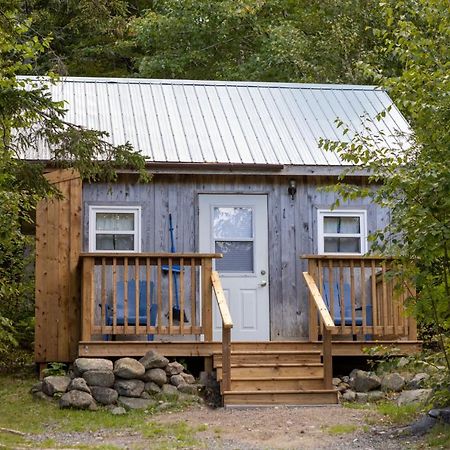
(115, 221)
(344, 224)
(115, 242)
(237, 256)
(234, 222)
(342, 245)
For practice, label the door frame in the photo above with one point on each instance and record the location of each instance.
(239, 193)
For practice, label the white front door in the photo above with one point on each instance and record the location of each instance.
(236, 226)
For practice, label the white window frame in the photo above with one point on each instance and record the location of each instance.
(135, 210)
(362, 235)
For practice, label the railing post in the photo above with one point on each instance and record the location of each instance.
(226, 358)
(327, 359)
(87, 298)
(207, 299)
(313, 328)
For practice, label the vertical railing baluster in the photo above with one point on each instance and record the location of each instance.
(313, 313)
(207, 299)
(170, 297)
(103, 296)
(352, 295)
(193, 294)
(331, 286)
(320, 283)
(363, 297)
(375, 309)
(137, 296)
(114, 295)
(148, 299)
(181, 305)
(341, 295)
(384, 298)
(125, 294)
(159, 275)
(88, 298)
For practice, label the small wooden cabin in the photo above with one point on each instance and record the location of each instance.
(232, 252)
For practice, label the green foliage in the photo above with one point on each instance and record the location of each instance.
(399, 414)
(412, 62)
(31, 121)
(55, 368)
(266, 40)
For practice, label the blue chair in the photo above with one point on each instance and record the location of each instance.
(131, 304)
(347, 305)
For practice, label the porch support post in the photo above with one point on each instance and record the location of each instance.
(207, 299)
(313, 328)
(327, 359)
(87, 298)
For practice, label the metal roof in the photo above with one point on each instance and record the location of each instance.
(226, 122)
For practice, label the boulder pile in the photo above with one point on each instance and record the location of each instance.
(363, 387)
(126, 384)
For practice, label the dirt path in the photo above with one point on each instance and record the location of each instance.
(264, 428)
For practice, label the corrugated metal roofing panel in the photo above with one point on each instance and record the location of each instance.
(227, 122)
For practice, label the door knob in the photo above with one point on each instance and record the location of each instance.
(263, 283)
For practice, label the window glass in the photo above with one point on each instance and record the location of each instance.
(234, 222)
(342, 245)
(341, 224)
(114, 242)
(106, 221)
(237, 256)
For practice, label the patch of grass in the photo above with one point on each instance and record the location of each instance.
(399, 414)
(171, 436)
(439, 436)
(341, 429)
(354, 405)
(8, 440)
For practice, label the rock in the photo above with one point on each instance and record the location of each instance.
(158, 376)
(41, 396)
(154, 360)
(79, 384)
(76, 399)
(418, 381)
(375, 396)
(135, 403)
(414, 396)
(118, 411)
(128, 368)
(342, 387)
(336, 381)
(152, 388)
(345, 379)
(443, 414)
(392, 382)
(103, 378)
(81, 365)
(362, 381)
(170, 390)
(176, 380)
(362, 397)
(402, 362)
(104, 395)
(53, 384)
(185, 388)
(349, 396)
(36, 387)
(129, 388)
(188, 378)
(93, 407)
(423, 425)
(145, 395)
(174, 368)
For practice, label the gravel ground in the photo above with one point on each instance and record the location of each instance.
(254, 429)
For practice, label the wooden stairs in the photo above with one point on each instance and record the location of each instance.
(261, 375)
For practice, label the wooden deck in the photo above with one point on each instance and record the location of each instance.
(116, 349)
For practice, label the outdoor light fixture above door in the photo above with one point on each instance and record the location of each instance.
(292, 189)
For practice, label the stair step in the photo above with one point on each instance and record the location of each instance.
(276, 384)
(268, 356)
(273, 370)
(260, 398)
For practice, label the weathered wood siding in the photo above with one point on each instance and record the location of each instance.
(58, 245)
(292, 227)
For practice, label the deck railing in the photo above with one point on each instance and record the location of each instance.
(363, 297)
(327, 328)
(165, 285)
(227, 325)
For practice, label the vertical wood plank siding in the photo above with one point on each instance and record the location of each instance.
(292, 227)
(58, 246)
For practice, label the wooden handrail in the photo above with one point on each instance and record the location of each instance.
(344, 257)
(328, 326)
(227, 325)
